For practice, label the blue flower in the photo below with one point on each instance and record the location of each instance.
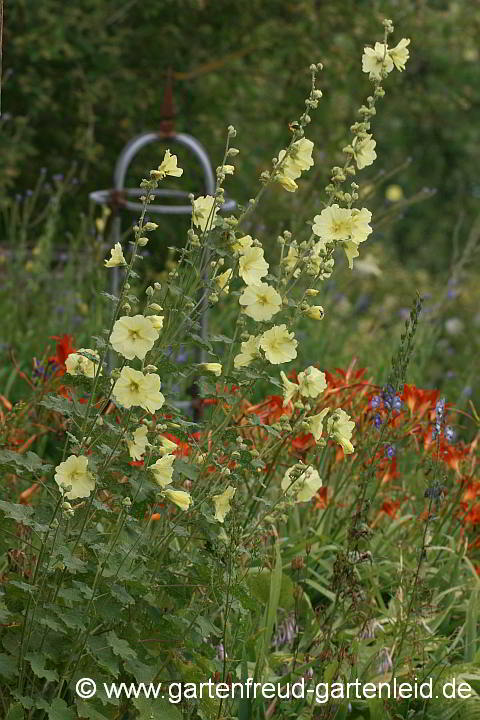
(449, 434)
(377, 420)
(440, 409)
(376, 400)
(397, 403)
(390, 451)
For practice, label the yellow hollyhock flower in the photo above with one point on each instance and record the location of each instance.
(222, 281)
(292, 258)
(376, 59)
(73, 472)
(364, 151)
(290, 389)
(133, 388)
(279, 345)
(204, 212)
(261, 301)
(133, 336)
(249, 351)
(167, 446)
(222, 503)
(156, 320)
(400, 54)
(315, 423)
(315, 312)
(168, 166)
(312, 382)
(333, 223)
(360, 228)
(305, 486)
(340, 427)
(252, 266)
(240, 245)
(162, 470)
(180, 498)
(116, 258)
(351, 251)
(214, 368)
(298, 160)
(138, 445)
(78, 364)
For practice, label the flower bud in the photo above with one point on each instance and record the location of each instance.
(149, 226)
(142, 241)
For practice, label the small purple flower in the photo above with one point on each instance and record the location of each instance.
(397, 403)
(467, 391)
(376, 401)
(449, 434)
(377, 420)
(390, 451)
(58, 177)
(388, 393)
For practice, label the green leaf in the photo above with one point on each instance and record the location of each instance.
(120, 647)
(63, 406)
(37, 663)
(30, 460)
(57, 710)
(188, 469)
(8, 666)
(157, 709)
(15, 712)
(86, 709)
(19, 513)
(471, 627)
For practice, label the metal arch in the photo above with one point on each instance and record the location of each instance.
(137, 143)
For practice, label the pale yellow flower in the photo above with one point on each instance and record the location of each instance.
(78, 364)
(351, 251)
(249, 351)
(400, 54)
(252, 266)
(279, 345)
(360, 228)
(226, 169)
(312, 382)
(167, 446)
(162, 470)
(376, 59)
(138, 445)
(315, 424)
(333, 223)
(156, 320)
(290, 389)
(133, 336)
(133, 388)
(305, 487)
(340, 428)
(364, 151)
(292, 258)
(301, 154)
(315, 312)
(179, 497)
(222, 503)
(394, 193)
(204, 212)
(240, 245)
(222, 281)
(261, 301)
(214, 368)
(74, 472)
(116, 258)
(168, 166)
(298, 160)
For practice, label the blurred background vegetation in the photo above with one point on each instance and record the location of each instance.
(80, 79)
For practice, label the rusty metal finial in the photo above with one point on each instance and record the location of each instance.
(167, 121)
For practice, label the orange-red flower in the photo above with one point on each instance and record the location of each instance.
(270, 410)
(390, 507)
(419, 401)
(63, 349)
(321, 498)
